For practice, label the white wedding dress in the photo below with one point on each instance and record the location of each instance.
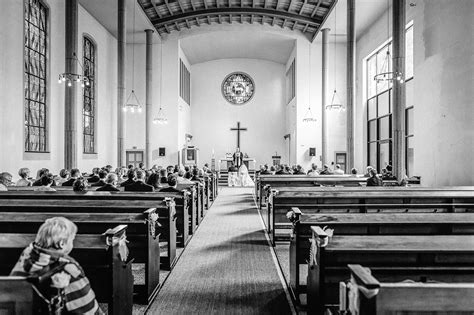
(245, 179)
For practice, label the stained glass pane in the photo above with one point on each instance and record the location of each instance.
(371, 72)
(89, 52)
(35, 50)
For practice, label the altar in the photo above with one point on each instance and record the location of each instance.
(226, 162)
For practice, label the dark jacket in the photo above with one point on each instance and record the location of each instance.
(93, 179)
(107, 187)
(196, 179)
(139, 186)
(69, 182)
(99, 183)
(127, 182)
(170, 189)
(374, 181)
(282, 172)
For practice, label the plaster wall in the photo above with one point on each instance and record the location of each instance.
(263, 115)
(12, 155)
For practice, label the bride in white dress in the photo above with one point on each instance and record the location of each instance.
(245, 179)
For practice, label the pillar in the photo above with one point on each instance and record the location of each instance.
(398, 91)
(149, 95)
(351, 67)
(121, 54)
(324, 80)
(70, 128)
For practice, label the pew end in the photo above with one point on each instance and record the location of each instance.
(372, 297)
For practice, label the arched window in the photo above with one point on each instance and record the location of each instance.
(35, 75)
(88, 109)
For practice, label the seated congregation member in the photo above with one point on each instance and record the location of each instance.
(326, 170)
(108, 168)
(173, 184)
(374, 179)
(354, 172)
(338, 170)
(141, 166)
(63, 177)
(39, 175)
(131, 178)
(272, 170)
(181, 179)
(195, 177)
(281, 170)
(46, 181)
(206, 169)
(367, 174)
(5, 181)
(95, 176)
(51, 247)
(139, 185)
(163, 176)
(299, 170)
(154, 180)
(314, 170)
(387, 173)
(24, 173)
(79, 185)
(75, 174)
(110, 183)
(169, 170)
(101, 182)
(264, 170)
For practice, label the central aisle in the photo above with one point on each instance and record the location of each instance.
(227, 267)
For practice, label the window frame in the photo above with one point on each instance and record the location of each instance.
(46, 104)
(94, 96)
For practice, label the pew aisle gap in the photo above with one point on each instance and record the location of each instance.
(227, 267)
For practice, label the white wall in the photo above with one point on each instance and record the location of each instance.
(12, 155)
(443, 79)
(263, 115)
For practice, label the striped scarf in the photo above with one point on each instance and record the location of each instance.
(78, 295)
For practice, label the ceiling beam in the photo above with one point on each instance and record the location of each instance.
(229, 3)
(264, 3)
(217, 3)
(305, 28)
(262, 18)
(251, 19)
(180, 6)
(289, 6)
(156, 8)
(177, 26)
(316, 8)
(220, 20)
(278, 3)
(330, 8)
(187, 24)
(302, 6)
(294, 25)
(192, 5)
(283, 25)
(205, 3)
(238, 11)
(168, 6)
(167, 29)
(273, 21)
(197, 21)
(209, 20)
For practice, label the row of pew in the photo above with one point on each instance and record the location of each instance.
(375, 250)
(151, 225)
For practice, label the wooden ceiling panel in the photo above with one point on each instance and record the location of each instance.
(304, 16)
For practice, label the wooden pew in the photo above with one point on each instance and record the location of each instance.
(392, 258)
(17, 295)
(347, 224)
(109, 273)
(363, 200)
(374, 297)
(92, 215)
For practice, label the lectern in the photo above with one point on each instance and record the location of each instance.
(190, 156)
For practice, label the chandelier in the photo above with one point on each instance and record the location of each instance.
(160, 118)
(385, 73)
(133, 104)
(308, 116)
(69, 78)
(336, 103)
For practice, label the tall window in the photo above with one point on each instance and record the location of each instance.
(184, 83)
(88, 109)
(290, 82)
(35, 75)
(379, 108)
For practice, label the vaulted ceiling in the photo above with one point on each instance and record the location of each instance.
(304, 16)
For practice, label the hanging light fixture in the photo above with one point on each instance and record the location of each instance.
(385, 73)
(133, 104)
(68, 78)
(336, 103)
(160, 118)
(308, 116)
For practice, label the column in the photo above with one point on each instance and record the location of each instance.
(324, 80)
(149, 95)
(121, 54)
(351, 66)
(70, 129)
(398, 91)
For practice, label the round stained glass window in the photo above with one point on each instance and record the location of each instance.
(238, 88)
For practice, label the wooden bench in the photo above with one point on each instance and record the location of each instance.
(92, 216)
(372, 297)
(362, 200)
(110, 274)
(392, 258)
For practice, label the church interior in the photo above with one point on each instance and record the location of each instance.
(219, 156)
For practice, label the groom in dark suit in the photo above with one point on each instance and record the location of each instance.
(139, 185)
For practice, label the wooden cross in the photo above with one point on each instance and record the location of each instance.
(238, 129)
